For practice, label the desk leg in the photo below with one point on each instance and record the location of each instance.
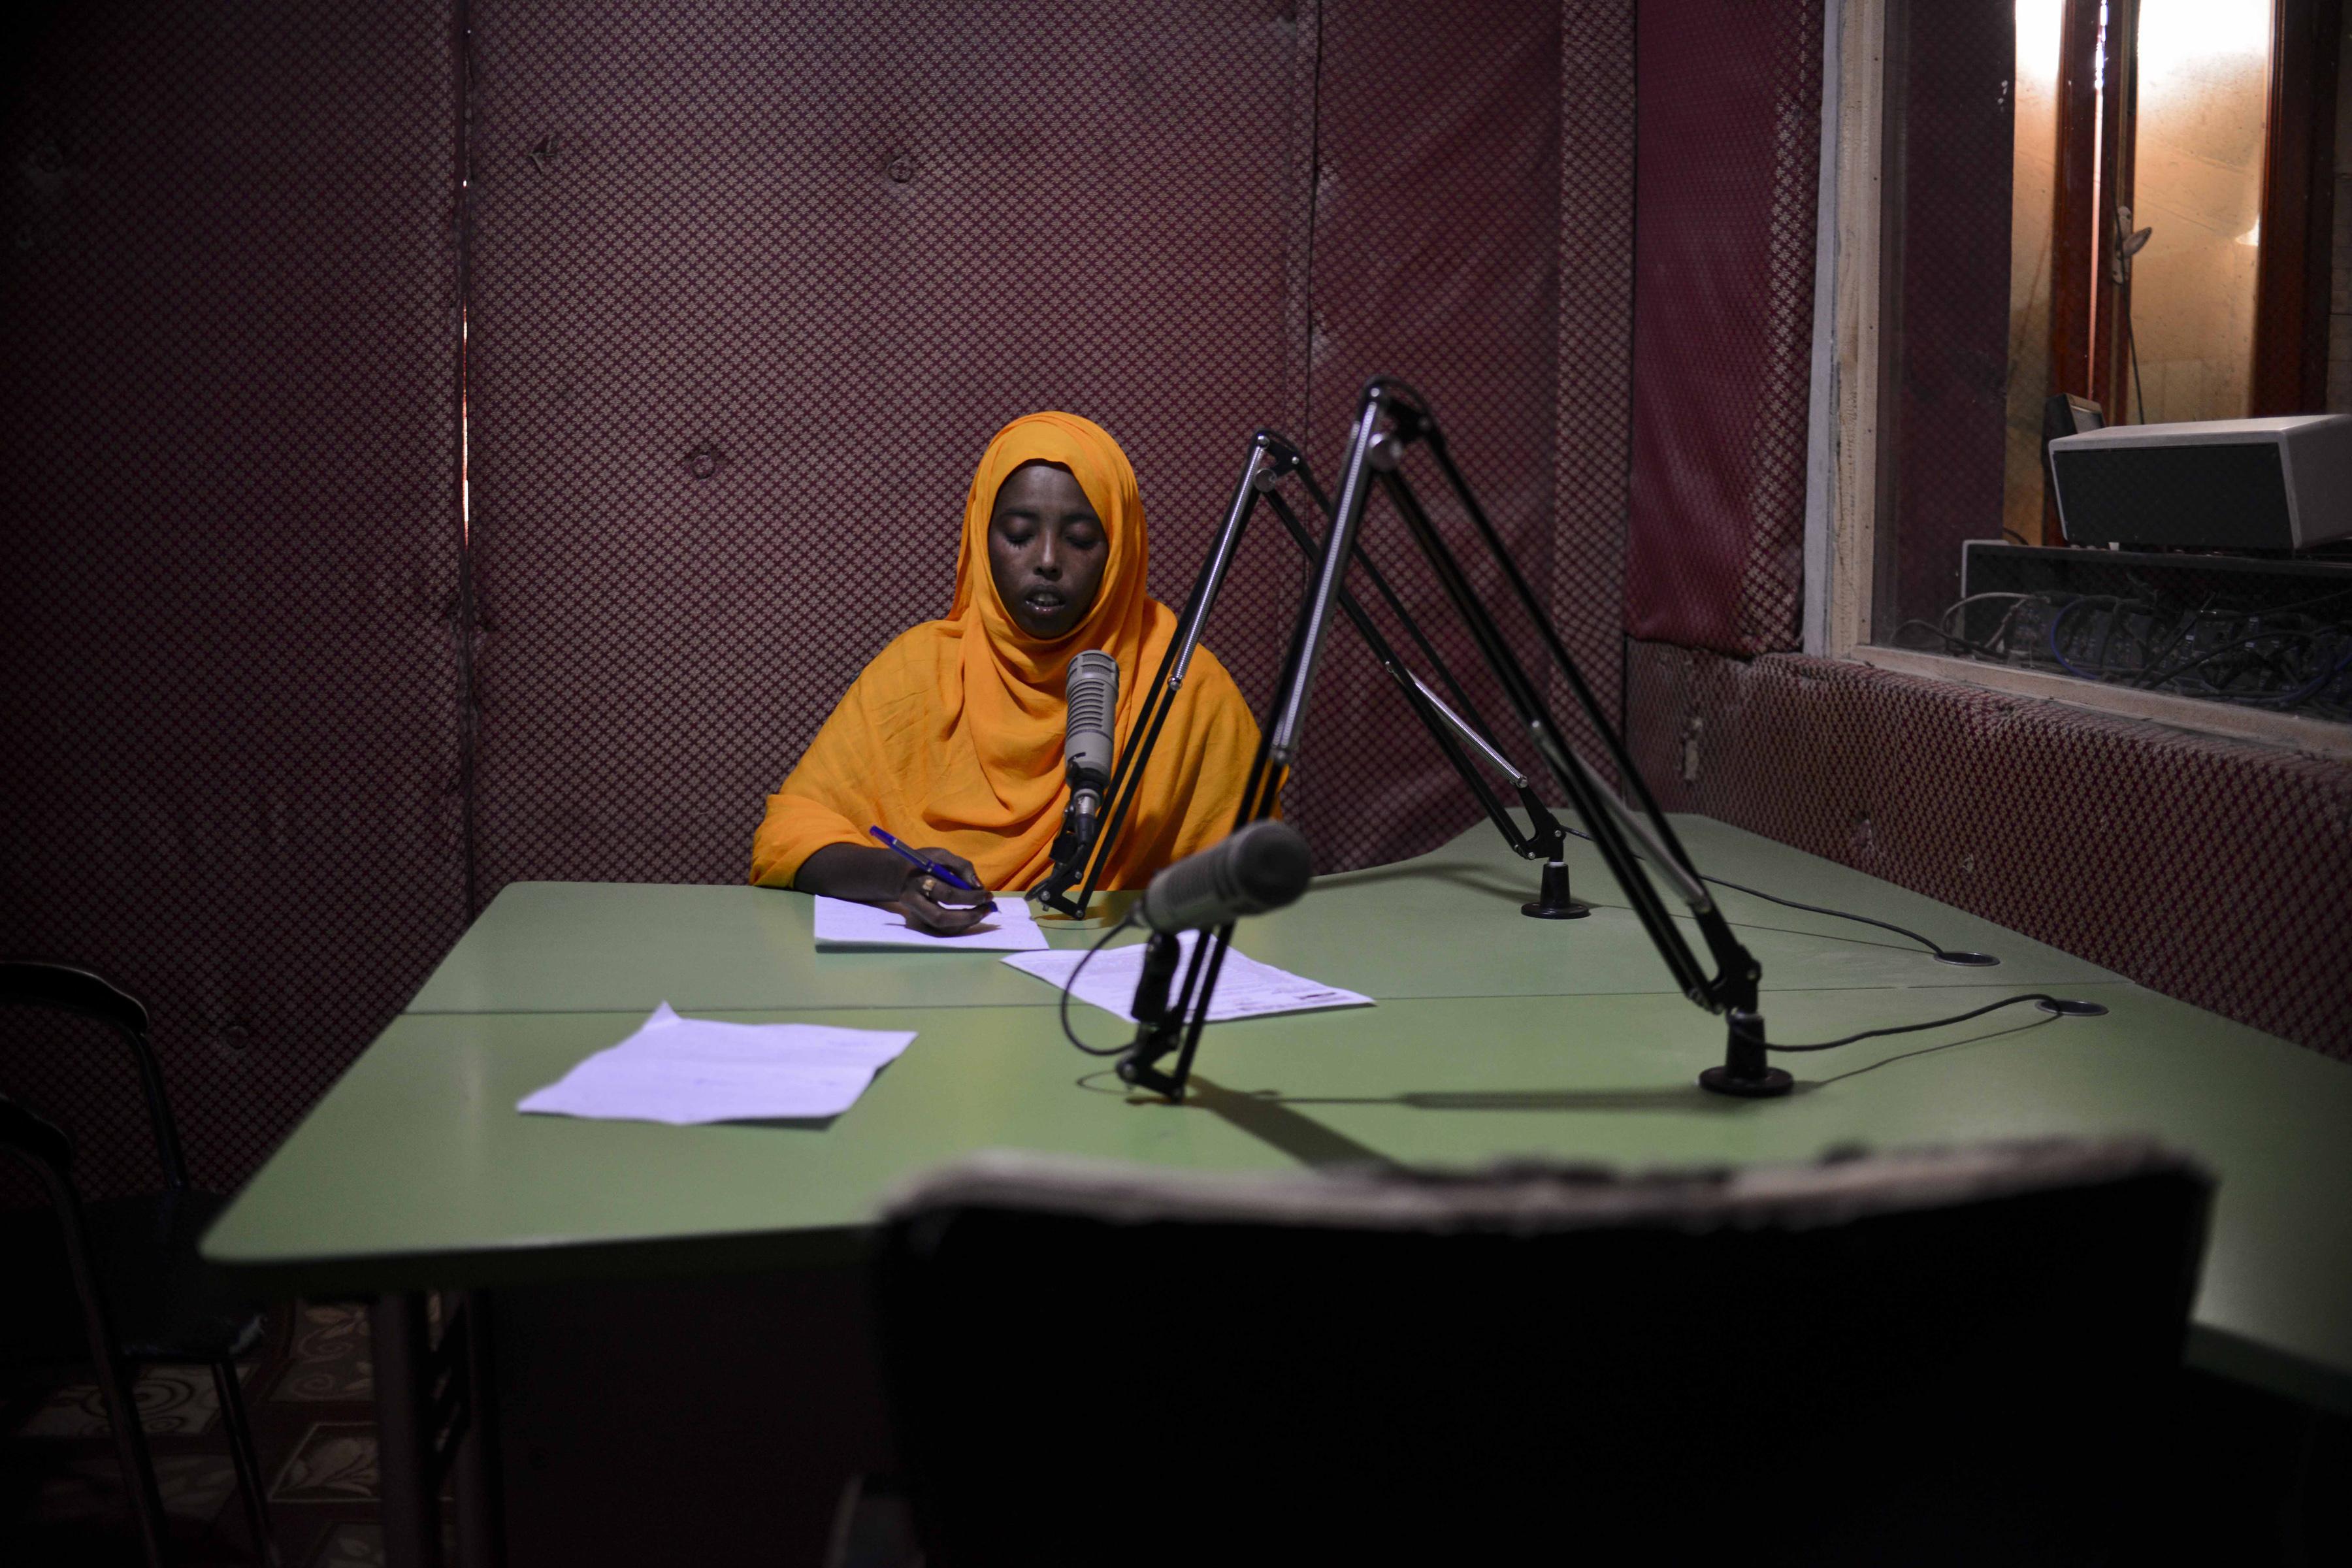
(402, 1352)
(482, 1533)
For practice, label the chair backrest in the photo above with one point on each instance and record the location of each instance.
(64, 988)
(33, 1319)
(1941, 1356)
(38, 1142)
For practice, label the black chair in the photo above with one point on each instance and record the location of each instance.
(1945, 1357)
(117, 1281)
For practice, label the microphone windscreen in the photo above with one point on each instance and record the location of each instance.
(1092, 690)
(1264, 866)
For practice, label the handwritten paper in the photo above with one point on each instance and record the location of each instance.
(685, 1071)
(845, 927)
(1245, 988)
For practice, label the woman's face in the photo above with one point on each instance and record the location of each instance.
(1046, 550)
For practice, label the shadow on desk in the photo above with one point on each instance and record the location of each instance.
(1273, 1117)
(1516, 893)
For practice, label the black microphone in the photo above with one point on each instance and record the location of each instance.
(1092, 691)
(1264, 866)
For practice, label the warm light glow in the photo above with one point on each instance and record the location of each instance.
(2253, 235)
(2038, 26)
(2175, 34)
(464, 439)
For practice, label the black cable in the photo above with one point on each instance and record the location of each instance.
(2058, 623)
(2106, 640)
(1933, 948)
(2209, 652)
(2187, 629)
(1950, 639)
(2057, 1005)
(1998, 642)
(2117, 610)
(2327, 598)
(2131, 342)
(2319, 684)
(1102, 942)
(2243, 646)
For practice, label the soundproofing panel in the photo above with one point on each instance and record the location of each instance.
(1593, 462)
(1729, 138)
(230, 562)
(1952, 69)
(1436, 236)
(752, 285)
(2211, 871)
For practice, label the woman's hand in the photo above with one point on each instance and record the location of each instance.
(878, 877)
(934, 904)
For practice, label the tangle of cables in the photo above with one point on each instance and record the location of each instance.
(2296, 656)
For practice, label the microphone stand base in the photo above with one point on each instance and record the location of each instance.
(1551, 901)
(1156, 1034)
(1771, 1086)
(1538, 909)
(1104, 910)
(1746, 1073)
(1152, 1081)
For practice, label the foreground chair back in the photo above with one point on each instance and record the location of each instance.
(1949, 1356)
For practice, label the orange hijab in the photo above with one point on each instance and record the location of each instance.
(953, 735)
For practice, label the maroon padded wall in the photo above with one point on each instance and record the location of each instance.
(2211, 870)
(230, 550)
(1947, 316)
(1593, 462)
(1436, 240)
(1729, 170)
(752, 287)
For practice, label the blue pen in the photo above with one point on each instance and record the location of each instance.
(933, 867)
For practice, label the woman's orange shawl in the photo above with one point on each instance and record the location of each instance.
(953, 736)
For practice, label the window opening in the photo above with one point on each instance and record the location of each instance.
(2144, 141)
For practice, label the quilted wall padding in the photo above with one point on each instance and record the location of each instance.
(1946, 437)
(230, 550)
(1729, 135)
(2062, 824)
(1593, 462)
(1436, 236)
(752, 285)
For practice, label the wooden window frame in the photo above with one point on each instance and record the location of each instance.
(1843, 503)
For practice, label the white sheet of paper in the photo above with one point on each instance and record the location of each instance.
(845, 927)
(1245, 988)
(689, 1070)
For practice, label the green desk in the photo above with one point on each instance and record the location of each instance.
(1399, 931)
(1495, 1034)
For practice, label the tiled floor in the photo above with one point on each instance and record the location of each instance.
(310, 1390)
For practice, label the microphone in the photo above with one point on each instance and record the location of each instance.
(1263, 867)
(1092, 692)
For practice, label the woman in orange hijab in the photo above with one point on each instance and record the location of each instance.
(951, 739)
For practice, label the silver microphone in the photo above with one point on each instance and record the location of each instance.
(1092, 691)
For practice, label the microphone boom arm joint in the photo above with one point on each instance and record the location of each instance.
(1376, 455)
